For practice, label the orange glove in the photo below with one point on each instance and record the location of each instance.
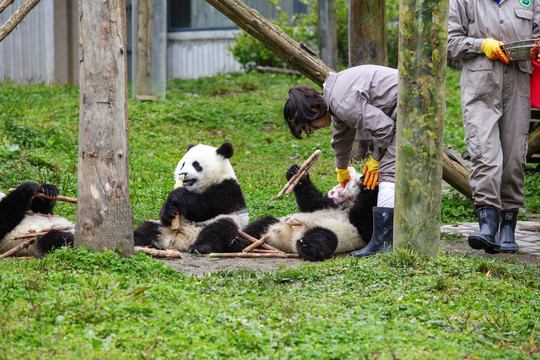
(343, 176)
(371, 172)
(494, 50)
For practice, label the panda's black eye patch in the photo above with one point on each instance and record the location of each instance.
(197, 166)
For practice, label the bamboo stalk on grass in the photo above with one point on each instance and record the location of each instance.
(253, 255)
(58, 198)
(159, 253)
(253, 240)
(295, 179)
(256, 243)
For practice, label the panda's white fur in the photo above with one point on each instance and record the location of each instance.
(209, 200)
(323, 227)
(284, 234)
(32, 223)
(216, 169)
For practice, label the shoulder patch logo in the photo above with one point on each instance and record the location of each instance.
(525, 3)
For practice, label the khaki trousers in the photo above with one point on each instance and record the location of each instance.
(496, 116)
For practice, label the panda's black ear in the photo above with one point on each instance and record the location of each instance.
(226, 150)
(190, 146)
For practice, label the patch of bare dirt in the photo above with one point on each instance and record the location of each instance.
(199, 265)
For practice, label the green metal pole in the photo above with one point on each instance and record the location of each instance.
(423, 29)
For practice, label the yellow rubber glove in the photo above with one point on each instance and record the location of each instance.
(493, 50)
(371, 172)
(343, 176)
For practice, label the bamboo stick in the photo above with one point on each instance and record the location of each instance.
(253, 255)
(159, 253)
(295, 179)
(58, 198)
(256, 243)
(19, 247)
(252, 239)
(31, 235)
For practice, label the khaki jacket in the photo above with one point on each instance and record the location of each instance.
(362, 98)
(470, 22)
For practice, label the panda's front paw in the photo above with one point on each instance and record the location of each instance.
(293, 170)
(168, 213)
(238, 243)
(200, 249)
(49, 190)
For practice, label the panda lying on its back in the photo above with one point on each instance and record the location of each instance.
(210, 203)
(14, 221)
(322, 228)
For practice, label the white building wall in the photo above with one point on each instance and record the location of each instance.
(27, 54)
(194, 54)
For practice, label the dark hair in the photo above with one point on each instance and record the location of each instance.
(299, 109)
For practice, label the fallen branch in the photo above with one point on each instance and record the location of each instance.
(159, 253)
(256, 243)
(253, 255)
(295, 179)
(58, 198)
(4, 4)
(253, 240)
(19, 247)
(16, 18)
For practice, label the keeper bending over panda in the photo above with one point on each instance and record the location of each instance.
(209, 201)
(21, 213)
(322, 228)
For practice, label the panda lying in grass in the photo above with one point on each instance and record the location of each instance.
(209, 201)
(321, 228)
(21, 213)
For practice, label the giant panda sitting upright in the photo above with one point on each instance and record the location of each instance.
(322, 228)
(210, 203)
(15, 221)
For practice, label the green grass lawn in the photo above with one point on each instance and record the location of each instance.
(78, 304)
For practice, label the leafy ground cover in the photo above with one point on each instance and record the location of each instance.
(76, 303)
(80, 304)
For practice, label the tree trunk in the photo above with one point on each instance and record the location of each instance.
(367, 32)
(300, 57)
(104, 218)
(534, 142)
(423, 29)
(328, 32)
(150, 49)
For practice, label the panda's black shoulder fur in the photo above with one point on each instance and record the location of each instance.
(14, 206)
(308, 197)
(223, 198)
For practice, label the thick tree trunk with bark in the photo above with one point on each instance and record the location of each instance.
(423, 29)
(104, 218)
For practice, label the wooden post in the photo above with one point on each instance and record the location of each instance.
(104, 218)
(149, 49)
(367, 32)
(289, 50)
(423, 29)
(328, 32)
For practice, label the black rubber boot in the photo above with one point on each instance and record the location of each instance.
(487, 238)
(383, 233)
(506, 233)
